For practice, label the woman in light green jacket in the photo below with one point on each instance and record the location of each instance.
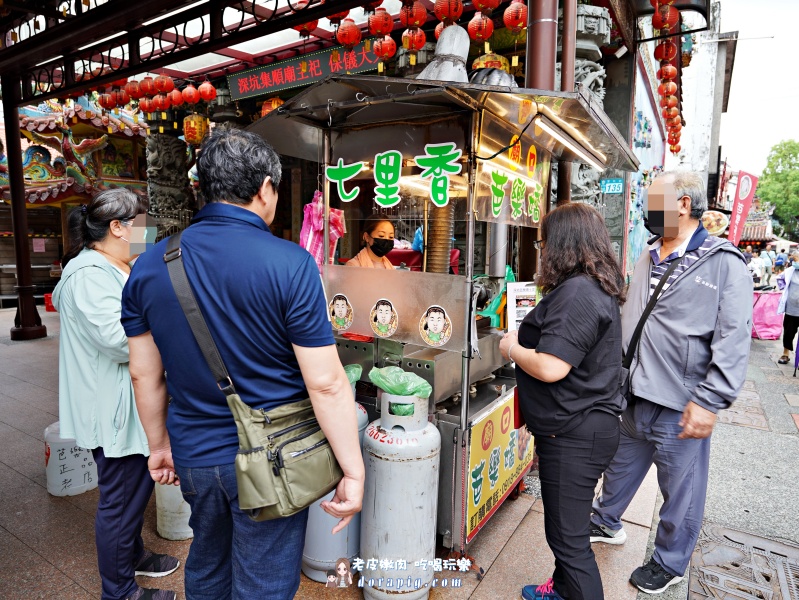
(96, 404)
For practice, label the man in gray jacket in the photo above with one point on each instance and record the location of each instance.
(691, 363)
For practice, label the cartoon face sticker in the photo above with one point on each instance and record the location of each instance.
(383, 318)
(435, 326)
(340, 312)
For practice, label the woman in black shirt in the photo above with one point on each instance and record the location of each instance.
(568, 364)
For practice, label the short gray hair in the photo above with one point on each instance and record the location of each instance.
(691, 184)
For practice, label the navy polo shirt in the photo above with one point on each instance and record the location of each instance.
(259, 295)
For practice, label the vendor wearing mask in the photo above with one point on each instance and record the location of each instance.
(378, 239)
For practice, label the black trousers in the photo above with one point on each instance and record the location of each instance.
(125, 488)
(789, 327)
(570, 466)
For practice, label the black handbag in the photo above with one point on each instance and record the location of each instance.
(635, 340)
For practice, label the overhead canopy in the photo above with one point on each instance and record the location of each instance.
(342, 102)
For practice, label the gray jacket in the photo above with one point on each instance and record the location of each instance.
(695, 343)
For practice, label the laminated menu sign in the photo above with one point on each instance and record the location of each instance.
(521, 300)
(39, 245)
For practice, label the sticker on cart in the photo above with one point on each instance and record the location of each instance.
(435, 326)
(340, 312)
(383, 318)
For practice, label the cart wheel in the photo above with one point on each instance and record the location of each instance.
(514, 495)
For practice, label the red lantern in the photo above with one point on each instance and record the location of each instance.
(665, 51)
(146, 105)
(370, 7)
(106, 101)
(439, 29)
(348, 34)
(515, 17)
(175, 97)
(485, 6)
(667, 71)
(673, 122)
(336, 18)
(665, 17)
(164, 84)
(269, 105)
(667, 88)
(413, 40)
(414, 15)
(207, 91)
(384, 48)
(380, 23)
(675, 128)
(675, 149)
(668, 102)
(480, 27)
(161, 102)
(147, 87)
(133, 89)
(673, 140)
(448, 11)
(657, 3)
(670, 113)
(190, 94)
(306, 28)
(121, 97)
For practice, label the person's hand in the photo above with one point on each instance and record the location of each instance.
(161, 467)
(507, 342)
(696, 422)
(346, 502)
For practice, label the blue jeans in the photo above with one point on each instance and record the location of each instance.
(232, 556)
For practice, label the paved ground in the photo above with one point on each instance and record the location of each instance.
(47, 543)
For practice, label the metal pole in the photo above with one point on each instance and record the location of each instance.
(326, 191)
(567, 58)
(27, 323)
(542, 39)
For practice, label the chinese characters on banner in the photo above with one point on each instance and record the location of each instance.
(744, 194)
(499, 456)
(303, 70)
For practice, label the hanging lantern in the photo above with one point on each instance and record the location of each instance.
(195, 127)
(380, 23)
(133, 89)
(667, 88)
(164, 84)
(485, 6)
(657, 3)
(146, 105)
(480, 27)
(667, 71)
(413, 40)
(306, 28)
(336, 18)
(491, 61)
(348, 34)
(675, 128)
(161, 102)
(515, 16)
(665, 17)
(675, 149)
(269, 105)
(190, 94)
(147, 87)
(414, 15)
(384, 49)
(207, 91)
(668, 102)
(175, 97)
(106, 101)
(670, 113)
(448, 11)
(439, 29)
(673, 140)
(665, 51)
(370, 7)
(673, 122)
(121, 97)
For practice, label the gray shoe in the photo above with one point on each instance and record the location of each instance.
(148, 594)
(156, 565)
(602, 534)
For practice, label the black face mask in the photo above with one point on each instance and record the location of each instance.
(654, 222)
(380, 247)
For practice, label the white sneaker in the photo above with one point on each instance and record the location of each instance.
(600, 533)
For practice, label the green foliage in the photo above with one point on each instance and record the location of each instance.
(779, 185)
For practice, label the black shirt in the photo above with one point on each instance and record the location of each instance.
(581, 324)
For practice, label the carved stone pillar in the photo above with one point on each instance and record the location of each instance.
(168, 174)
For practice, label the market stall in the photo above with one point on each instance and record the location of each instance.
(449, 161)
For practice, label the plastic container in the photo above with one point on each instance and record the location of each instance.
(48, 303)
(70, 470)
(172, 513)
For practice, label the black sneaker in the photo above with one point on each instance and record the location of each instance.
(652, 578)
(607, 536)
(150, 594)
(156, 565)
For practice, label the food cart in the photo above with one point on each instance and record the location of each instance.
(451, 159)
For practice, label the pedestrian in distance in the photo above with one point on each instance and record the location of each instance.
(95, 400)
(781, 261)
(748, 254)
(690, 363)
(756, 267)
(789, 306)
(767, 258)
(263, 302)
(568, 364)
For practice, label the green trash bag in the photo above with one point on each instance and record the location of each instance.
(400, 383)
(353, 372)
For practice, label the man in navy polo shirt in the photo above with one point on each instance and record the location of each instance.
(263, 301)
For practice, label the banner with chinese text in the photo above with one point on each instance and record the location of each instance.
(744, 194)
(499, 456)
(303, 70)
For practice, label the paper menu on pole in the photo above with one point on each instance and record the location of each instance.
(39, 245)
(521, 300)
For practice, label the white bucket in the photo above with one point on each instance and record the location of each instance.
(70, 470)
(173, 512)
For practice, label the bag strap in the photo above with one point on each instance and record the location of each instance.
(633, 347)
(177, 274)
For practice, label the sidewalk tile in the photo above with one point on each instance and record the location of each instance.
(21, 452)
(75, 592)
(796, 420)
(26, 574)
(793, 399)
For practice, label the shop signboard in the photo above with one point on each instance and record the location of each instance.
(499, 457)
(744, 194)
(302, 70)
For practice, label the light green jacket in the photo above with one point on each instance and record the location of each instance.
(95, 394)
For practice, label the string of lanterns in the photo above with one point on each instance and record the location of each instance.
(665, 19)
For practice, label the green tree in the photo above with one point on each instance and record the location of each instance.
(779, 185)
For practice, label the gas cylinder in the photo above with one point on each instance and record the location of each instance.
(322, 548)
(398, 522)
